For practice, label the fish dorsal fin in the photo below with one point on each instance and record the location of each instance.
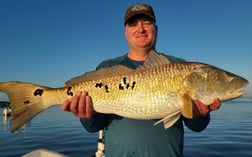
(153, 60)
(100, 74)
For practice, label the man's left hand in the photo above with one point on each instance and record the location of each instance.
(200, 109)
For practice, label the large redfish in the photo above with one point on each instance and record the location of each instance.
(157, 90)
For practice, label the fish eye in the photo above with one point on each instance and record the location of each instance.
(231, 79)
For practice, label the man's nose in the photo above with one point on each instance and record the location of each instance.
(140, 27)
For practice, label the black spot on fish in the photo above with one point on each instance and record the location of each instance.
(121, 87)
(133, 85)
(38, 92)
(127, 85)
(27, 102)
(106, 88)
(69, 92)
(125, 80)
(98, 85)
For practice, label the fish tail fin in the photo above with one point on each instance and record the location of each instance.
(187, 109)
(25, 101)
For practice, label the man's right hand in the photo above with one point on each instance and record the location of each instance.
(80, 105)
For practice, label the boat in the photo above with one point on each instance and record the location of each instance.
(7, 112)
(43, 153)
(49, 153)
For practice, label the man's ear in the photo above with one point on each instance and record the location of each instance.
(156, 30)
(125, 32)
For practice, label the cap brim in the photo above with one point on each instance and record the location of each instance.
(139, 13)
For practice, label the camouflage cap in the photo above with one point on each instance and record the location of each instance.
(139, 9)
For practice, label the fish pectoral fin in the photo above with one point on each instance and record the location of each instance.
(170, 119)
(187, 108)
(186, 111)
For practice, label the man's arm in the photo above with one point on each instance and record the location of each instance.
(81, 106)
(201, 115)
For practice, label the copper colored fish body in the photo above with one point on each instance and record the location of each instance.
(157, 90)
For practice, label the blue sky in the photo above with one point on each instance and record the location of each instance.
(49, 41)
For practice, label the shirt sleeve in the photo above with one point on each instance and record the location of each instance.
(197, 124)
(96, 123)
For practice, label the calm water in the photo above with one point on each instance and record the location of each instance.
(228, 134)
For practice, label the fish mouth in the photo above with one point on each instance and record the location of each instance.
(242, 83)
(238, 93)
(233, 95)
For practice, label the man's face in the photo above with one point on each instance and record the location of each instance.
(141, 32)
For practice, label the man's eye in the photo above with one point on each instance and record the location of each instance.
(131, 24)
(147, 23)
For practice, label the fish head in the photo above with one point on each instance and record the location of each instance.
(207, 82)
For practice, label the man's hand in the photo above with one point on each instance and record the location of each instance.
(199, 109)
(80, 105)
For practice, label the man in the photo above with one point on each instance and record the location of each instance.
(130, 137)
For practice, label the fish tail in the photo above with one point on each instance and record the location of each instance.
(25, 100)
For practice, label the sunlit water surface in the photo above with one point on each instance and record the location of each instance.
(228, 134)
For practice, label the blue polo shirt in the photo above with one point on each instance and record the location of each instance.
(125, 137)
